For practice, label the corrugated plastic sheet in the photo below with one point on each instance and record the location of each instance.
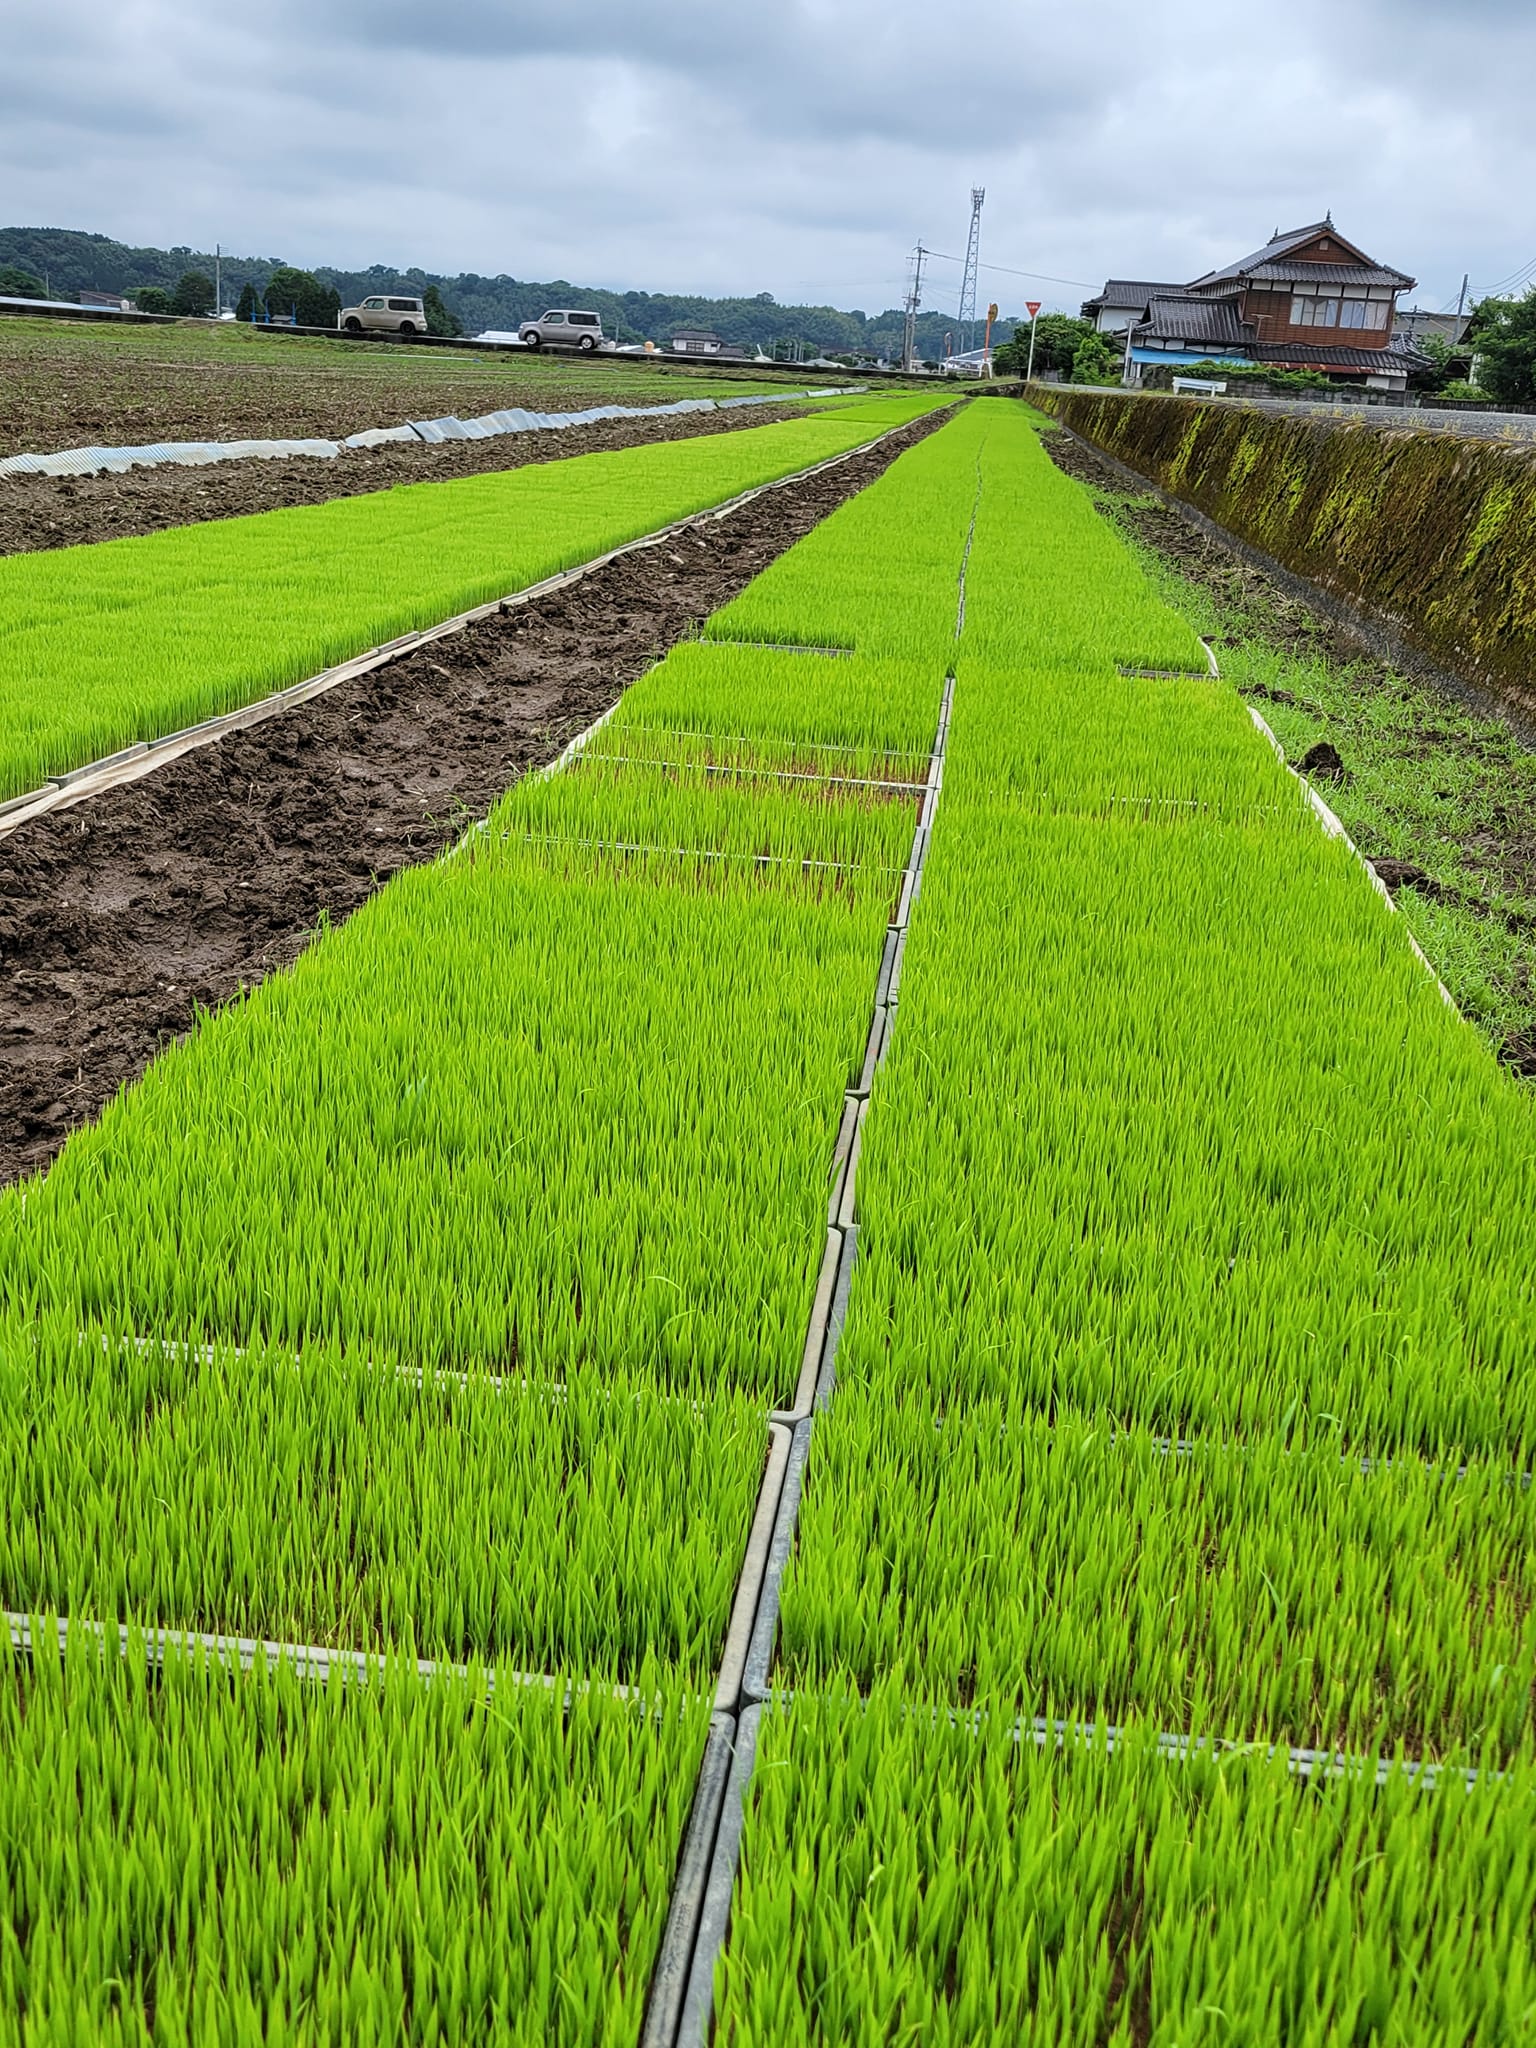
(515, 420)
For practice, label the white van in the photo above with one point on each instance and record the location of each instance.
(563, 329)
(392, 314)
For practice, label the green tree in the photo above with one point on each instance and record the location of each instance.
(248, 306)
(301, 294)
(1441, 363)
(16, 283)
(1503, 340)
(152, 298)
(439, 319)
(193, 297)
(1057, 339)
(1097, 359)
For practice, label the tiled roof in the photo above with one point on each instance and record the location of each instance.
(1275, 252)
(1328, 273)
(1121, 291)
(1319, 356)
(1202, 320)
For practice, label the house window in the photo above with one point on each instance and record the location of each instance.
(1361, 313)
(1314, 312)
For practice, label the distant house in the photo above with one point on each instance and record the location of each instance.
(703, 341)
(1414, 321)
(107, 302)
(1122, 301)
(1308, 300)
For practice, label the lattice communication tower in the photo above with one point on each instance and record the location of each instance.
(967, 319)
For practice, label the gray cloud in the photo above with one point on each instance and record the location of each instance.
(799, 150)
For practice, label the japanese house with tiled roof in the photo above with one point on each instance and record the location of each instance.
(1308, 300)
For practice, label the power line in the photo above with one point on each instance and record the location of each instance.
(1513, 282)
(1042, 276)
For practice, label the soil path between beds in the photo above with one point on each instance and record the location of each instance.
(121, 917)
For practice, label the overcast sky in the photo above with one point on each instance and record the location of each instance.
(799, 149)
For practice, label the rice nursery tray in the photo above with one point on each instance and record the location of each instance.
(670, 1977)
(868, 1893)
(816, 1334)
(323, 1502)
(757, 1681)
(1274, 1593)
(214, 1854)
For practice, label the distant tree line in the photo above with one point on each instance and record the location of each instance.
(72, 261)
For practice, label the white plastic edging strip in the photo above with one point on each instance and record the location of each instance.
(311, 1661)
(1335, 830)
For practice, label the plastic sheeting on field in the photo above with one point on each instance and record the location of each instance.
(514, 420)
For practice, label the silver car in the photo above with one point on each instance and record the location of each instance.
(388, 313)
(563, 329)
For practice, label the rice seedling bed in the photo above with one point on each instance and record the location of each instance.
(319, 1501)
(1274, 1593)
(868, 705)
(1142, 1148)
(902, 1878)
(222, 614)
(843, 824)
(867, 579)
(1049, 583)
(251, 1853)
(531, 1109)
(1062, 744)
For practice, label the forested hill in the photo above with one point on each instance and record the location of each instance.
(69, 261)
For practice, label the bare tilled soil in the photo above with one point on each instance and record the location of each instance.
(56, 512)
(122, 916)
(73, 387)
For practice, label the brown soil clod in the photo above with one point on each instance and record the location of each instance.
(123, 916)
(1321, 763)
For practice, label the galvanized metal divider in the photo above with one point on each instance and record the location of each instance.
(696, 1921)
(709, 1911)
(711, 1914)
(128, 764)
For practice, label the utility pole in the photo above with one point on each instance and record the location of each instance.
(1461, 296)
(218, 281)
(967, 321)
(914, 300)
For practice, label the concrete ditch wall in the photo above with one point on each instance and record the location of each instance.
(1433, 535)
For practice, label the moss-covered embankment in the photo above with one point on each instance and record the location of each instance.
(1436, 536)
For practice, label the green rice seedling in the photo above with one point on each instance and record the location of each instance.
(232, 1857)
(1268, 1591)
(734, 759)
(758, 695)
(882, 573)
(1049, 583)
(322, 1499)
(218, 614)
(1176, 1129)
(742, 816)
(1113, 746)
(907, 1880)
(531, 1108)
